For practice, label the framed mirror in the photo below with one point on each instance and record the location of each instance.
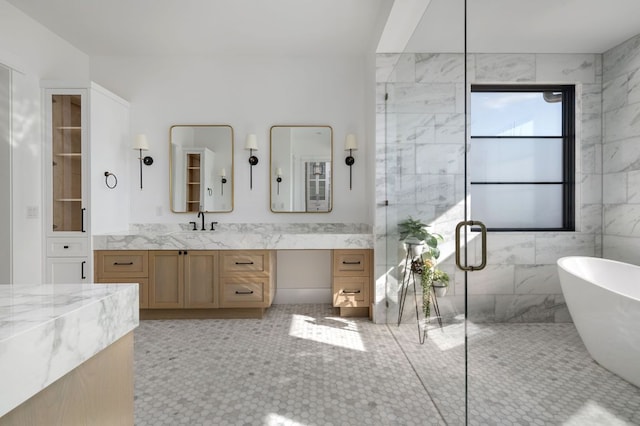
(301, 169)
(201, 168)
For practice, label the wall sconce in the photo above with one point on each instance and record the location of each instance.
(279, 178)
(223, 179)
(350, 145)
(142, 144)
(251, 145)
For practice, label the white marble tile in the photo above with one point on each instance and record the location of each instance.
(590, 130)
(564, 68)
(622, 220)
(622, 123)
(421, 98)
(614, 188)
(507, 68)
(622, 59)
(614, 93)
(525, 308)
(591, 159)
(439, 67)
(621, 248)
(591, 188)
(561, 311)
(439, 159)
(449, 128)
(591, 99)
(537, 279)
(550, 247)
(591, 219)
(434, 189)
(633, 187)
(510, 248)
(621, 156)
(494, 279)
(62, 326)
(633, 87)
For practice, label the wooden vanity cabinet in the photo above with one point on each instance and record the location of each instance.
(130, 266)
(247, 278)
(183, 279)
(352, 281)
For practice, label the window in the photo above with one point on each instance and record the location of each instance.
(521, 160)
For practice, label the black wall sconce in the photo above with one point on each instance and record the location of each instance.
(251, 145)
(223, 179)
(278, 178)
(350, 145)
(142, 144)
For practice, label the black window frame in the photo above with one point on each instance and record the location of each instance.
(568, 149)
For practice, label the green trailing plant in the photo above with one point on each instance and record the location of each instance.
(424, 266)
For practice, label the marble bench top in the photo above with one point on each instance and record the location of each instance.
(48, 330)
(239, 237)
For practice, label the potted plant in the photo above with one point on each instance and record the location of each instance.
(440, 282)
(418, 239)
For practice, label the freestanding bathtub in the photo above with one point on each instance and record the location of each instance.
(603, 297)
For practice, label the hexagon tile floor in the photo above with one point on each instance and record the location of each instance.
(303, 365)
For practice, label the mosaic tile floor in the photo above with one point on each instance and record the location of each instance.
(302, 365)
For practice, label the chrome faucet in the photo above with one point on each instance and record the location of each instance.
(201, 215)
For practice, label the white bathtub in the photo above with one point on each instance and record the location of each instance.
(603, 297)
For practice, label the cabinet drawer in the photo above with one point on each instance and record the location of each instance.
(122, 264)
(235, 262)
(351, 262)
(67, 247)
(351, 291)
(245, 293)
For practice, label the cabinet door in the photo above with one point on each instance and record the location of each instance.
(166, 283)
(66, 165)
(200, 278)
(143, 287)
(68, 270)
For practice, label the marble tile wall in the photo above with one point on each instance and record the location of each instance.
(621, 152)
(420, 147)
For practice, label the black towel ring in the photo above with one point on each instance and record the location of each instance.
(106, 180)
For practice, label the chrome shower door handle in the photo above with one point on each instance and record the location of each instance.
(483, 230)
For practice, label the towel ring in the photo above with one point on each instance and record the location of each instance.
(106, 180)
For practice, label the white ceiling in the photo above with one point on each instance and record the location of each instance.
(182, 27)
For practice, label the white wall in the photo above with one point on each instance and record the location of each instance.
(251, 94)
(110, 149)
(37, 54)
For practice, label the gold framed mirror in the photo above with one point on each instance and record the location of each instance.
(301, 169)
(201, 168)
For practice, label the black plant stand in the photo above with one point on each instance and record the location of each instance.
(409, 276)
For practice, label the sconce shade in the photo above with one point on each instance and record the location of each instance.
(252, 142)
(141, 142)
(350, 142)
(223, 172)
(278, 171)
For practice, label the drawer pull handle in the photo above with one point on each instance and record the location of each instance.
(65, 247)
(244, 263)
(244, 292)
(345, 262)
(122, 263)
(350, 291)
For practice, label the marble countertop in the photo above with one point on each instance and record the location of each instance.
(48, 330)
(257, 236)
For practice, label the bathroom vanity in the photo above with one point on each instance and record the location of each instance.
(230, 272)
(78, 368)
